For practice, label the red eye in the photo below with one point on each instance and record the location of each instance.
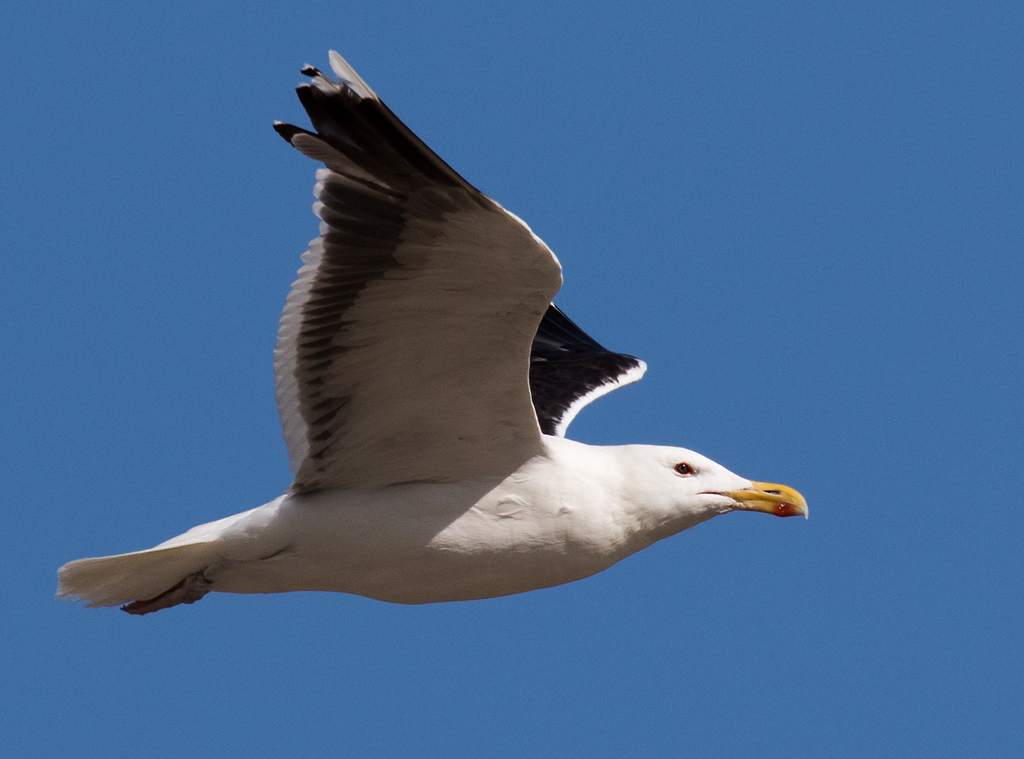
(684, 469)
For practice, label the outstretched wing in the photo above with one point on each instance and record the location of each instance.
(569, 369)
(404, 349)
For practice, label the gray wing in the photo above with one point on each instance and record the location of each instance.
(404, 349)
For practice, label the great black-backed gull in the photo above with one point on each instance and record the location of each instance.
(425, 381)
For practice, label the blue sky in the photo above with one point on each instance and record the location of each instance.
(807, 219)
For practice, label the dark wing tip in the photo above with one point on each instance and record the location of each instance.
(361, 131)
(288, 131)
(568, 369)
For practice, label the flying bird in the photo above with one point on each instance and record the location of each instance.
(425, 381)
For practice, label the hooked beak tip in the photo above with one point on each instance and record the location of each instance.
(769, 498)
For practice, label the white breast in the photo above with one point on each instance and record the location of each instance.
(550, 522)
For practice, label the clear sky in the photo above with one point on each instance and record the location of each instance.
(806, 217)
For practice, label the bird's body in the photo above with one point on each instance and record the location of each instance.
(424, 382)
(557, 519)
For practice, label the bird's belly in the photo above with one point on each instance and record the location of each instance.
(405, 553)
(430, 576)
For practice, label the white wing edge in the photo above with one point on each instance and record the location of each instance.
(628, 377)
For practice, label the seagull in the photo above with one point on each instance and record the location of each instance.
(424, 381)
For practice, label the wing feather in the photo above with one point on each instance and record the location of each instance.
(403, 352)
(569, 369)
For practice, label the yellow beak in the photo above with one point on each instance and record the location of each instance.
(780, 500)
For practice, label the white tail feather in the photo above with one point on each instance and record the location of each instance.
(116, 580)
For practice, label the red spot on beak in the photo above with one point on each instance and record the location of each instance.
(788, 510)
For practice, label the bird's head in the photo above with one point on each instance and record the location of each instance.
(697, 486)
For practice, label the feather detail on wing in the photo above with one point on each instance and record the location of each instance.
(404, 349)
(569, 369)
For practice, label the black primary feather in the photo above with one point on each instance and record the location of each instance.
(567, 364)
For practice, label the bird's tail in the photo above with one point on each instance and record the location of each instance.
(137, 576)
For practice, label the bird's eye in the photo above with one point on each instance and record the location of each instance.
(684, 469)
